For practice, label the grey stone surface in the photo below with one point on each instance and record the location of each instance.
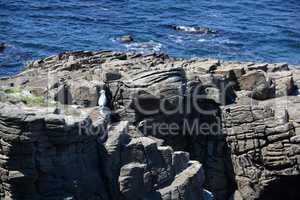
(264, 148)
(48, 152)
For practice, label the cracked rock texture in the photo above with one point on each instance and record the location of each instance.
(50, 156)
(51, 147)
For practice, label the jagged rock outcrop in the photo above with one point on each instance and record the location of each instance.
(138, 168)
(52, 156)
(265, 149)
(46, 156)
(238, 120)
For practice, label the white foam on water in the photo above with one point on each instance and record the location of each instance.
(177, 39)
(144, 47)
(105, 9)
(202, 40)
(194, 29)
(189, 29)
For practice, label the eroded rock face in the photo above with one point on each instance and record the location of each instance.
(51, 156)
(45, 156)
(251, 150)
(265, 150)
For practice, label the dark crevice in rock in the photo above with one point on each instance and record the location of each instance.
(284, 188)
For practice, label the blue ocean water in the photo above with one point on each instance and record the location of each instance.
(264, 30)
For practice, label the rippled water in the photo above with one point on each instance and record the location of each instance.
(264, 30)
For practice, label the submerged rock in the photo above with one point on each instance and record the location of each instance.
(126, 39)
(2, 46)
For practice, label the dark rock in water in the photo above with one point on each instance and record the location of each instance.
(126, 39)
(194, 29)
(2, 46)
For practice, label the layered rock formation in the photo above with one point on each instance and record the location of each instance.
(51, 156)
(45, 156)
(237, 121)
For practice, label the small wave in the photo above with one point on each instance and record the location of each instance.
(194, 29)
(202, 40)
(179, 40)
(219, 41)
(227, 42)
(144, 47)
(176, 38)
(105, 9)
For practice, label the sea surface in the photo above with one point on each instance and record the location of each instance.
(247, 30)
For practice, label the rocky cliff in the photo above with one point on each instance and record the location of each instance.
(176, 127)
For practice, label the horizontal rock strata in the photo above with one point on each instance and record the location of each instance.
(55, 144)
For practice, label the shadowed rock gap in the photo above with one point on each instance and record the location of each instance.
(284, 188)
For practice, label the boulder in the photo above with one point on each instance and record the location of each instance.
(284, 83)
(201, 66)
(278, 67)
(258, 83)
(131, 181)
(182, 186)
(259, 66)
(233, 72)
